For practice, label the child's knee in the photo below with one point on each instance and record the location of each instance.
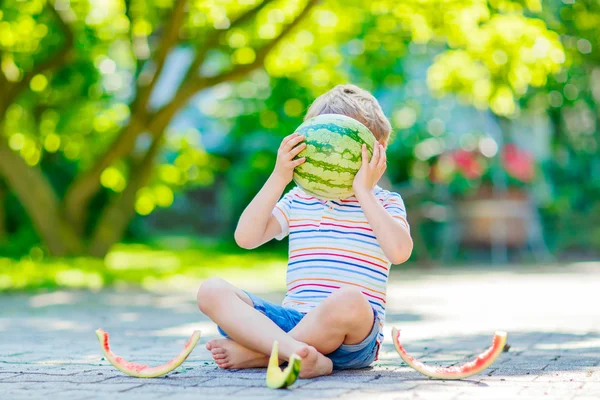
(350, 306)
(210, 292)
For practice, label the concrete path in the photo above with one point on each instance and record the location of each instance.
(48, 348)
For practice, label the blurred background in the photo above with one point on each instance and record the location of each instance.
(134, 132)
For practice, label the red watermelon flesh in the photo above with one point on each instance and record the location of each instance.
(141, 370)
(480, 363)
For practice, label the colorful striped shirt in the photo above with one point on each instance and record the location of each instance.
(332, 245)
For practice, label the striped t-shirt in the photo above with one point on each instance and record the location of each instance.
(331, 245)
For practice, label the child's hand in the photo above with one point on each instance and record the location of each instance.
(289, 148)
(370, 172)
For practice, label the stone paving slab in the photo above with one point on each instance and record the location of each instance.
(49, 349)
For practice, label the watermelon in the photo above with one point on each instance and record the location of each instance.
(333, 155)
(278, 379)
(481, 362)
(144, 371)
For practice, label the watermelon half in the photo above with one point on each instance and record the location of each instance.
(481, 362)
(144, 371)
(278, 379)
(333, 155)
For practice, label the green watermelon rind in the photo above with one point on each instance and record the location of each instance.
(312, 176)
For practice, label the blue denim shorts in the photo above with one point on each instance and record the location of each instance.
(347, 356)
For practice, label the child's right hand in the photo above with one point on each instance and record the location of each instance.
(289, 148)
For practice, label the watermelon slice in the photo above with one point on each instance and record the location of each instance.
(278, 379)
(144, 371)
(481, 362)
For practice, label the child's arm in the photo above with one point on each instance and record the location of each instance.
(257, 225)
(393, 236)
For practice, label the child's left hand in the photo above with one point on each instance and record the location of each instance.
(370, 172)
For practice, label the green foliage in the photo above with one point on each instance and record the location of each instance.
(83, 111)
(175, 261)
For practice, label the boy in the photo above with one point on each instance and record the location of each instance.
(340, 254)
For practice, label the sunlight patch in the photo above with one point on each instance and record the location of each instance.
(208, 329)
(52, 299)
(583, 344)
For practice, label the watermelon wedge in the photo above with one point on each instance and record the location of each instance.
(144, 371)
(481, 362)
(278, 379)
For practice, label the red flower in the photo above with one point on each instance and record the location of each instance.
(518, 163)
(467, 164)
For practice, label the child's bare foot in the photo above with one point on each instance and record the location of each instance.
(231, 355)
(313, 363)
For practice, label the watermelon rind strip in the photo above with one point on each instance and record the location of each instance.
(145, 371)
(465, 370)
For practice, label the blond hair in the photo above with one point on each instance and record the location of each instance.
(354, 102)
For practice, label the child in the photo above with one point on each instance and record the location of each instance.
(339, 259)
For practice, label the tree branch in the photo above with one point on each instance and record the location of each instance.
(52, 62)
(168, 40)
(4, 87)
(215, 36)
(129, 16)
(197, 83)
(116, 217)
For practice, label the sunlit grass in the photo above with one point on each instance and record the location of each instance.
(163, 264)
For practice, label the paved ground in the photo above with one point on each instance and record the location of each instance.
(48, 347)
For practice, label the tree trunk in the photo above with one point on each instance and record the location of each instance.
(86, 185)
(118, 214)
(39, 200)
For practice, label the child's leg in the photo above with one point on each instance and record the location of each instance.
(345, 317)
(230, 309)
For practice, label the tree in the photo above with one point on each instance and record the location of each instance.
(152, 33)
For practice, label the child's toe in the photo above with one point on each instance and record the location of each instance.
(303, 352)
